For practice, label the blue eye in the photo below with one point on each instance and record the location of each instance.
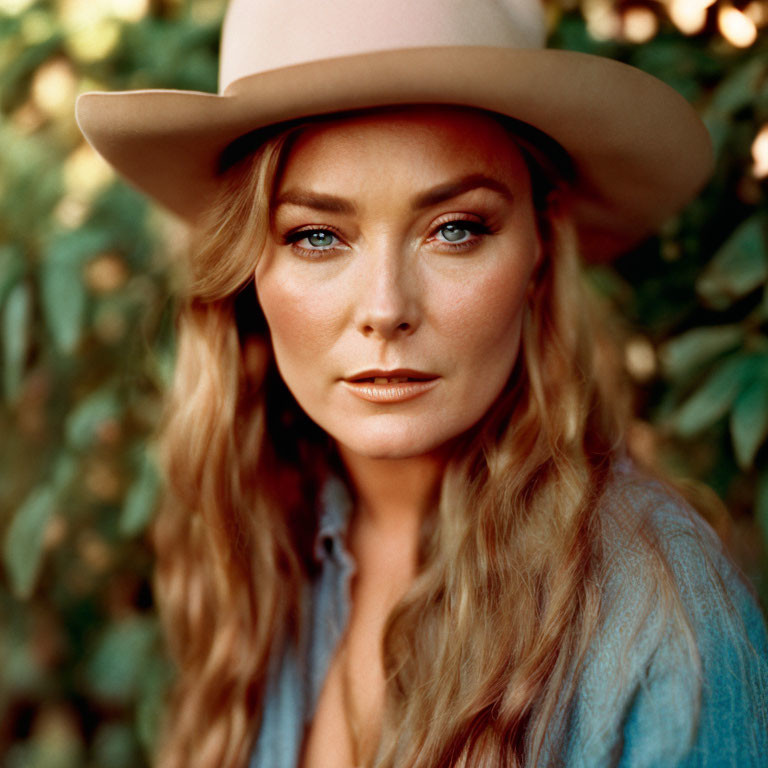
(317, 239)
(460, 232)
(453, 233)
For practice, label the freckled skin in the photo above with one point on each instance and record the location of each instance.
(391, 293)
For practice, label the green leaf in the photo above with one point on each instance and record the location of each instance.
(16, 321)
(64, 298)
(23, 546)
(64, 471)
(687, 352)
(21, 67)
(713, 399)
(84, 421)
(140, 500)
(117, 667)
(749, 418)
(11, 269)
(63, 291)
(31, 170)
(739, 88)
(737, 268)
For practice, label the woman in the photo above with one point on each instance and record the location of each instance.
(401, 524)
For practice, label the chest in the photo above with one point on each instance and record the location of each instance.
(346, 721)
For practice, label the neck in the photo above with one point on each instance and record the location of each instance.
(393, 493)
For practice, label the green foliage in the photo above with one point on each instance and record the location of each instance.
(140, 499)
(16, 319)
(63, 292)
(90, 414)
(749, 415)
(714, 398)
(738, 267)
(23, 548)
(86, 346)
(684, 356)
(116, 667)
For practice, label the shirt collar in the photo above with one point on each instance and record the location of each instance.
(334, 514)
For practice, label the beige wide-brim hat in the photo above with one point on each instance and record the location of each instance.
(639, 150)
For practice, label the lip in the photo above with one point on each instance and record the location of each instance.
(363, 385)
(396, 373)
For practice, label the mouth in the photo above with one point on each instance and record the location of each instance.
(381, 378)
(386, 388)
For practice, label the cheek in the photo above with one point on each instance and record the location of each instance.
(301, 319)
(483, 315)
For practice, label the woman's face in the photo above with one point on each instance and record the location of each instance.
(394, 277)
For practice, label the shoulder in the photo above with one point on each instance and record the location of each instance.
(652, 538)
(677, 673)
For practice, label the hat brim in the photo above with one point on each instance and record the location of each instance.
(639, 149)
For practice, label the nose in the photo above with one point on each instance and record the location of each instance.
(388, 305)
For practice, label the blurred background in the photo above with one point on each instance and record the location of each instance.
(86, 337)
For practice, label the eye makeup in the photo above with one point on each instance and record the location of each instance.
(452, 225)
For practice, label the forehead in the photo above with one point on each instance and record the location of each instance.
(404, 145)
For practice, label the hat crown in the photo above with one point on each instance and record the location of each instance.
(262, 35)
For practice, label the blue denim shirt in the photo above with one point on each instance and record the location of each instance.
(638, 701)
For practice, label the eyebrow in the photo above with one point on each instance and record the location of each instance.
(439, 194)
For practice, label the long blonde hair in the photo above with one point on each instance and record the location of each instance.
(480, 654)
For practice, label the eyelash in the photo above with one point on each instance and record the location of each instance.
(476, 228)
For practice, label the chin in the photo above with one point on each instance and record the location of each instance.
(391, 444)
(393, 453)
